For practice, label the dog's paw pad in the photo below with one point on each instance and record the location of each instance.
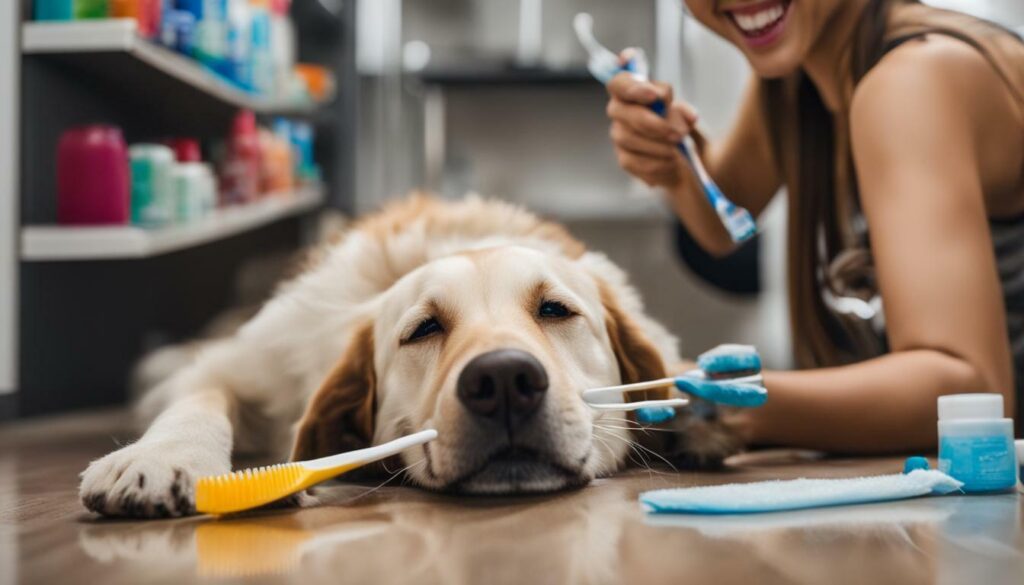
(145, 481)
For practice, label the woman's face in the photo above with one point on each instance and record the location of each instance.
(775, 35)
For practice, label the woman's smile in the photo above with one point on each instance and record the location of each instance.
(761, 24)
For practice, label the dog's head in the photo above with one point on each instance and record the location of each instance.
(492, 348)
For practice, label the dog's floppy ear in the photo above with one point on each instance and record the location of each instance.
(638, 359)
(340, 417)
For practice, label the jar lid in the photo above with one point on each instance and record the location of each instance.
(960, 406)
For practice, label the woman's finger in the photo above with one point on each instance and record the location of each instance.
(679, 118)
(664, 91)
(648, 169)
(687, 111)
(627, 88)
(625, 138)
(644, 121)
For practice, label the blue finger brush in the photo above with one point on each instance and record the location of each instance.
(604, 65)
(729, 375)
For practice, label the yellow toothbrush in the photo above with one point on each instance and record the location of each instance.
(252, 488)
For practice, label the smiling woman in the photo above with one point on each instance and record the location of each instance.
(885, 118)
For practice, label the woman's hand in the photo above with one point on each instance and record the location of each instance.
(646, 143)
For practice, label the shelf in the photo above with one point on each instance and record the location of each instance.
(506, 75)
(78, 40)
(55, 242)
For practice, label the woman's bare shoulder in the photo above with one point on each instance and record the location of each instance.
(932, 71)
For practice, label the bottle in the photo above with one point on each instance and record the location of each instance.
(239, 44)
(306, 170)
(87, 9)
(240, 174)
(211, 33)
(277, 165)
(154, 16)
(316, 81)
(152, 184)
(54, 9)
(283, 47)
(208, 193)
(976, 442)
(189, 195)
(93, 184)
(262, 61)
(185, 149)
(1020, 465)
(145, 12)
(178, 31)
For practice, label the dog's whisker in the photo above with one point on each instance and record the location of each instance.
(400, 472)
(643, 462)
(642, 429)
(607, 446)
(659, 456)
(639, 449)
(601, 443)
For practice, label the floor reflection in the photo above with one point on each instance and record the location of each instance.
(8, 533)
(982, 541)
(597, 535)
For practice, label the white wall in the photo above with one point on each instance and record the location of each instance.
(1007, 12)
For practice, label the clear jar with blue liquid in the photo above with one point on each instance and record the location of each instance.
(976, 442)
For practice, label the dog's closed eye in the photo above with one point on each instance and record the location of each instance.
(554, 310)
(426, 328)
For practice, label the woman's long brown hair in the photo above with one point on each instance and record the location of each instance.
(814, 231)
(805, 144)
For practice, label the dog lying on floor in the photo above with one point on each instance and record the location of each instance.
(472, 317)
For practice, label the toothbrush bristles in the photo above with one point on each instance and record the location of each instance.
(249, 488)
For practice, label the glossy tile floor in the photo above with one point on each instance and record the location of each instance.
(396, 534)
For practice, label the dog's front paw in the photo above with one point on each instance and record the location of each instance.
(147, 480)
(695, 439)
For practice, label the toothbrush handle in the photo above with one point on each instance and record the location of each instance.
(713, 193)
(658, 107)
(737, 220)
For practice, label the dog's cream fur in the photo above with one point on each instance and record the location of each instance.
(278, 381)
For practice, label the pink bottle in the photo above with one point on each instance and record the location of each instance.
(240, 175)
(185, 149)
(93, 185)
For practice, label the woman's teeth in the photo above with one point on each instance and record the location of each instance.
(756, 22)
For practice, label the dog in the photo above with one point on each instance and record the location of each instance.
(473, 317)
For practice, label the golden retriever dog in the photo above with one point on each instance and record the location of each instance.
(472, 317)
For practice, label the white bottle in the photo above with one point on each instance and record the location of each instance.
(239, 42)
(283, 46)
(211, 32)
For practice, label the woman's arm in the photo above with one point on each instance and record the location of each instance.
(741, 164)
(884, 405)
(915, 134)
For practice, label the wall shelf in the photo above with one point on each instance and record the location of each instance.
(55, 242)
(484, 76)
(78, 40)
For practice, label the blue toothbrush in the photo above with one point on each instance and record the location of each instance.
(604, 65)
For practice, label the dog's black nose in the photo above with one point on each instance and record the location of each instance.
(503, 384)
